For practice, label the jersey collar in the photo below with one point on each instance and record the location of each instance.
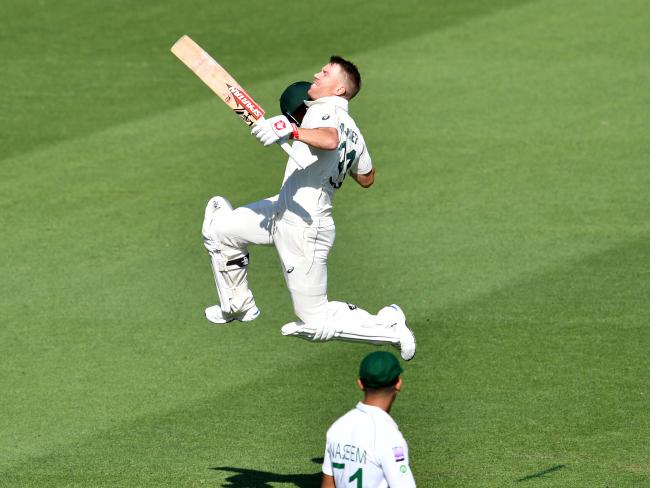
(340, 102)
(369, 409)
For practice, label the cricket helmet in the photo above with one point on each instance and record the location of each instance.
(292, 101)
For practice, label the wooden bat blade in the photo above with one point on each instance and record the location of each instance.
(217, 79)
(220, 82)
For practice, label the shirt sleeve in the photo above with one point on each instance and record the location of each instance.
(363, 164)
(394, 458)
(327, 463)
(320, 115)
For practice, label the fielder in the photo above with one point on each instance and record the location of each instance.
(298, 221)
(365, 447)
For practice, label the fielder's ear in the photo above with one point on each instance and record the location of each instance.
(340, 91)
(360, 384)
(398, 385)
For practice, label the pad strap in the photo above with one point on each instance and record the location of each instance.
(239, 262)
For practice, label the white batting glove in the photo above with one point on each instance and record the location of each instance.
(273, 130)
(325, 331)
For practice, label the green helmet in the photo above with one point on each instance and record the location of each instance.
(291, 101)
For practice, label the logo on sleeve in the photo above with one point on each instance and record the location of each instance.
(398, 453)
(325, 117)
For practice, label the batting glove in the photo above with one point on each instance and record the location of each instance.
(325, 331)
(275, 129)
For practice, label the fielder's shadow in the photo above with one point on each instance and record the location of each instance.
(252, 478)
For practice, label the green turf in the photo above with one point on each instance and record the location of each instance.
(509, 219)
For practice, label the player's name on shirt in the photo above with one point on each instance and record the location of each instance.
(349, 133)
(347, 452)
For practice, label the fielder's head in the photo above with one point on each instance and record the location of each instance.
(338, 78)
(379, 374)
(292, 101)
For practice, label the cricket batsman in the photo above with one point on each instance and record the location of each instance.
(298, 221)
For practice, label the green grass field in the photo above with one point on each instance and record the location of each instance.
(509, 219)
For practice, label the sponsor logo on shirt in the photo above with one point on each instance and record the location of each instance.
(398, 453)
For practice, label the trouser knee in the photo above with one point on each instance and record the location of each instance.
(309, 308)
(212, 230)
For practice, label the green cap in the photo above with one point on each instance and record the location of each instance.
(379, 369)
(293, 97)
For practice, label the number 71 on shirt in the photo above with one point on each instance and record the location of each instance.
(357, 475)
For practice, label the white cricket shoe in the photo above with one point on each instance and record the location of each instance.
(292, 328)
(397, 321)
(217, 316)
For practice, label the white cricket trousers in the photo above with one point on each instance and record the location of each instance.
(303, 252)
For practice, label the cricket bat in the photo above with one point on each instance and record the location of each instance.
(225, 86)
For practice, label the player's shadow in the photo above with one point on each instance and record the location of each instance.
(252, 478)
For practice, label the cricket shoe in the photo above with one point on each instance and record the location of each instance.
(297, 329)
(293, 328)
(396, 320)
(217, 316)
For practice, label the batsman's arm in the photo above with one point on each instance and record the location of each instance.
(365, 180)
(326, 138)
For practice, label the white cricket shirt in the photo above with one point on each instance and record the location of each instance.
(307, 194)
(365, 449)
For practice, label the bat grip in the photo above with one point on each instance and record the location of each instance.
(292, 154)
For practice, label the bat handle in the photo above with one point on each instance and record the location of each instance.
(292, 154)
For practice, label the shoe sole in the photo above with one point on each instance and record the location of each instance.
(290, 329)
(415, 345)
(227, 321)
(219, 322)
(250, 319)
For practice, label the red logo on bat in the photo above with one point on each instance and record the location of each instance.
(246, 101)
